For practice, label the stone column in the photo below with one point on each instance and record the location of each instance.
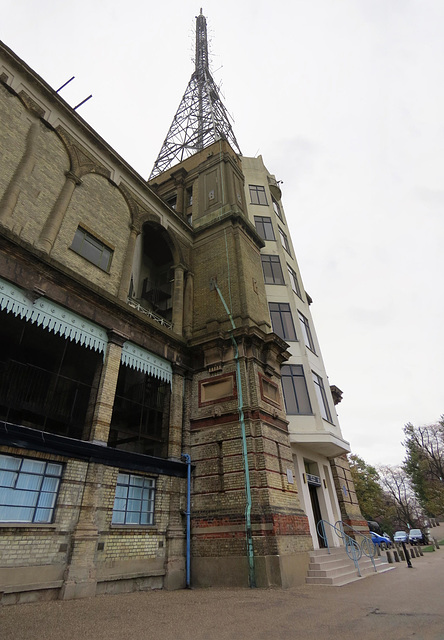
(175, 574)
(107, 389)
(346, 493)
(179, 178)
(177, 318)
(239, 251)
(229, 180)
(55, 218)
(175, 577)
(80, 576)
(22, 173)
(176, 414)
(188, 305)
(128, 264)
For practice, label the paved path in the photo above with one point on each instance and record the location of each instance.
(401, 604)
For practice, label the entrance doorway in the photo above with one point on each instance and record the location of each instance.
(316, 513)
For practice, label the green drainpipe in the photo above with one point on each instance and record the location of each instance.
(249, 535)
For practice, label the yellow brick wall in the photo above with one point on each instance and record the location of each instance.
(100, 208)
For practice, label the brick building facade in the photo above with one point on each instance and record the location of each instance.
(119, 356)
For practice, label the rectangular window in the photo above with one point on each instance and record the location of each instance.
(28, 489)
(140, 418)
(295, 390)
(284, 241)
(308, 338)
(281, 320)
(264, 227)
(277, 208)
(172, 201)
(92, 249)
(271, 266)
(322, 397)
(134, 500)
(257, 194)
(294, 281)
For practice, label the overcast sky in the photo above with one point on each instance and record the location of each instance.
(344, 99)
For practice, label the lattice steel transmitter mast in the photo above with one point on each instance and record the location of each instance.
(201, 118)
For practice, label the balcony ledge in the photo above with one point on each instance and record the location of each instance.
(325, 443)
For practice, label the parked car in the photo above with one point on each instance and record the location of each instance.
(400, 536)
(383, 541)
(415, 536)
(374, 526)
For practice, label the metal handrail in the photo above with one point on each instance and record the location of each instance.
(154, 316)
(367, 545)
(352, 548)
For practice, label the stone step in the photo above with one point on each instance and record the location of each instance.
(337, 569)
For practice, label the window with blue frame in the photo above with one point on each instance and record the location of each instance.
(28, 489)
(134, 500)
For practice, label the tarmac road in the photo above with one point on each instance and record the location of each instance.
(401, 604)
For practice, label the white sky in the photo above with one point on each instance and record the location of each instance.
(345, 101)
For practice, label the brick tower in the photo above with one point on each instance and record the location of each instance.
(247, 523)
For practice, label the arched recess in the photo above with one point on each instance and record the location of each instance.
(153, 270)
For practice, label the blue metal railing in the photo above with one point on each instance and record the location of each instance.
(367, 545)
(354, 549)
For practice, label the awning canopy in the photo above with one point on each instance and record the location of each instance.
(142, 360)
(52, 317)
(68, 324)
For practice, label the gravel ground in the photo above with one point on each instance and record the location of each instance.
(396, 605)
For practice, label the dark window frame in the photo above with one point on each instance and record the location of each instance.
(272, 269)
(264, 227)
(284, 241)
(258, 195)
(322, 397)
(295, 390)
(277, 209)
(294, 281)
(306, 332)
(89, 247)
(282, 320)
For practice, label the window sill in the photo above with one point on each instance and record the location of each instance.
(26, 525)
(142, 527)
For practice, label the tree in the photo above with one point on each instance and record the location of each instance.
(424, 464)
(368, 490)
(396, 484)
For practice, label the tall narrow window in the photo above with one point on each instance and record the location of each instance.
(295, 390)
(264, 227)
(281, 320)
(140, 417)
(294, 281)
(257, 194)
(284, 241)
(308, 338)
(277, 208)
(322, 397)
(271, 266)
(28, 489)
(134, 500)
(92, 249)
